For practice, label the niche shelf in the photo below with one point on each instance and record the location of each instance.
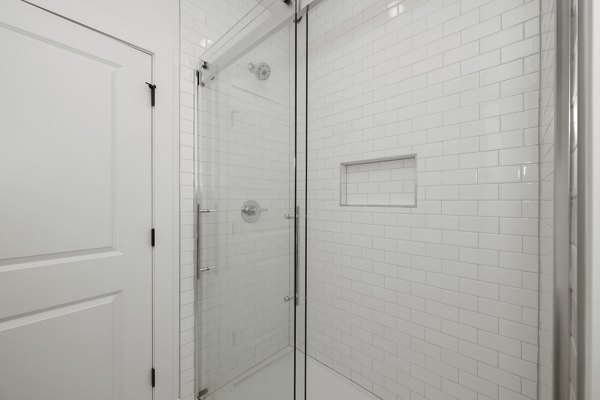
(379, 182)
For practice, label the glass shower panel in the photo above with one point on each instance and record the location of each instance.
(246, 302)
(301, 180)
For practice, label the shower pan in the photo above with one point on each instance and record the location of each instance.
(377, 210)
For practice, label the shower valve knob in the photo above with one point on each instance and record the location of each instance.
(251, 211)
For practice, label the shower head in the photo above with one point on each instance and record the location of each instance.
(261, 70)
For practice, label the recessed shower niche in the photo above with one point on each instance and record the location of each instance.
(385, 182)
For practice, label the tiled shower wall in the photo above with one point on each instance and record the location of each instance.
(438, 301)
(244, 152)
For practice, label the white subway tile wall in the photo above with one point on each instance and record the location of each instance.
(438, 301)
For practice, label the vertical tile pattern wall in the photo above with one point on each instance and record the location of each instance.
(438, 301)
(547, 132)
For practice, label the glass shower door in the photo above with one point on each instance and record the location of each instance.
(245, 294)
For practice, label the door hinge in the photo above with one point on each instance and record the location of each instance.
(152, 93)
(202, 394)
(197, 77)
(153, 377)
(153, 237)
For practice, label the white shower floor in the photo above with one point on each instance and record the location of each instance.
(272, 380)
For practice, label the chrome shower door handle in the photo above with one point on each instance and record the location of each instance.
(198, 237)
(296, 219)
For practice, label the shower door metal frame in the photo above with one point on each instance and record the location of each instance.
(588, 257)
(575, 55)
(562, 218)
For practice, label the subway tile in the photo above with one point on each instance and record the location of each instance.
(505, 105)
(500, 276)
(519, 191)
(523, 368)
(500, 242)
(480, 94)
(477, 352)
(500, 343)
(480, 30)
(479, 224)
(501, 72)
(502, 38)
(479, 63)
(499, 174)
(521, 14)
(479, 320)
(498, 7)
(505, 379)
(500, 309)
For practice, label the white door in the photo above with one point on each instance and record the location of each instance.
(75, 211)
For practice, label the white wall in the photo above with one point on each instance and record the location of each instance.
(441, 300)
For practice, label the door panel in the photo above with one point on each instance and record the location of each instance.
(88, 328)
(42, 185)
(75, 211)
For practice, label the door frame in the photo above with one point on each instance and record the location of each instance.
(164, 53)
(588, 385)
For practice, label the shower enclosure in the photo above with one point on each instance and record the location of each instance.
(376, 208)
